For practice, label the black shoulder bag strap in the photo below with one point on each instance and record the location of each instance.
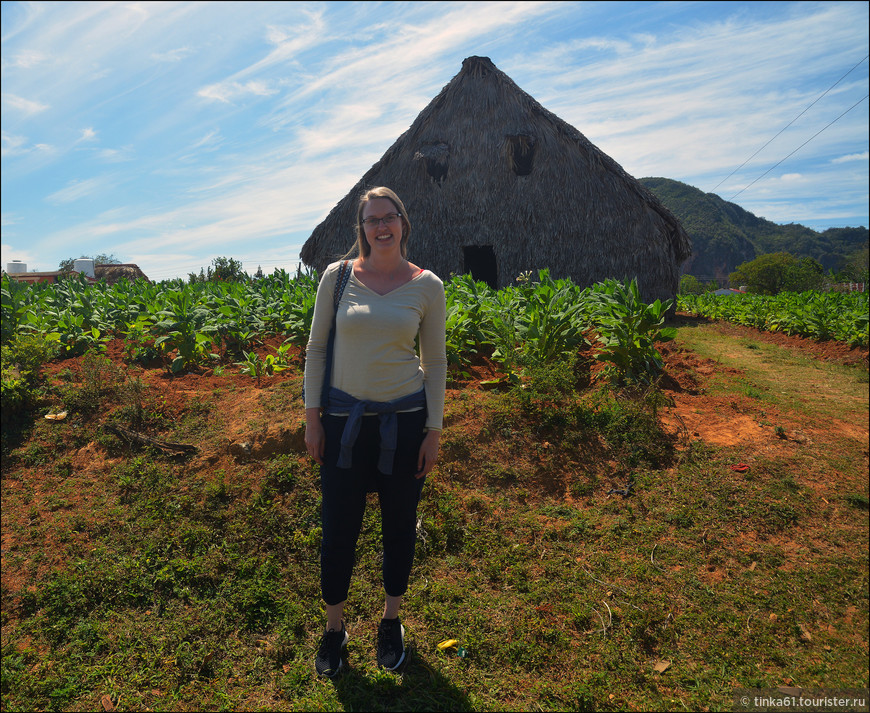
(344, 273)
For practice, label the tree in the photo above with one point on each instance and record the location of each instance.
(773, 273)
(226, 269)
(222, 269)
(806, 274)
(691, 285)
(101, 259)
(856, 268)
(193, 278)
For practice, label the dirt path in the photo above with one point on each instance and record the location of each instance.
(733, 385)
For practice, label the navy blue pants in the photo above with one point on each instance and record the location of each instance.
(344, 500)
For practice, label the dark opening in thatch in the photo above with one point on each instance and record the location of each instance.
(479, 262)
(436, 159)
(494, 182)
(521, 153)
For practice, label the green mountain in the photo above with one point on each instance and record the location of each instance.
(725, 235)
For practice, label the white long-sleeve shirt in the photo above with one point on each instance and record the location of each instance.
(374, 358)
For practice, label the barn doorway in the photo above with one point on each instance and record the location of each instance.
(479, 261)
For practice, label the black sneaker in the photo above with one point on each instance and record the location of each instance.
(328, 662)
(391, 644)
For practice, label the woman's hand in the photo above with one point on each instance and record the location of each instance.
(315, 438)
(428, 453)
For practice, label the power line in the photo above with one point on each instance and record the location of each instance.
(799, 147)
(789, 124)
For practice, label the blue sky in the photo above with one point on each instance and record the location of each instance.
(169, 134)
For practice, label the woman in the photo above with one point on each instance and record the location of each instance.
(381, 425)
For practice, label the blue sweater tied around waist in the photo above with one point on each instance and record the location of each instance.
(341, 402)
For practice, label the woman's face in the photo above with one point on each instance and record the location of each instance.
(381, 237)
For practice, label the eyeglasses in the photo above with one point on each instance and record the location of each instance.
(388, 219)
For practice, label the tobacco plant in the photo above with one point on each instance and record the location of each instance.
(550, 320)
(185, 331)
(628, 329)
(817, 315)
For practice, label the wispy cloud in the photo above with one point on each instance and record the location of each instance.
(14, 145)
(727, 83)
(369, 109)
(265, 208)
(173, 55)
(121, 155)
(22, 105)
(288, 41)
(863, 156)
(87, 135)
(10, 252)
(211, 139)
(236, 127)
(77, 190)
(27, 59)
(229, 91)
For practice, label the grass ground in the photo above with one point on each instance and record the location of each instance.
(136, 580)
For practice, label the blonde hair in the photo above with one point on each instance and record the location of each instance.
(362, 247)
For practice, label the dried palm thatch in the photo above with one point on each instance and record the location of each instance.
(115, 273)
(495, 184)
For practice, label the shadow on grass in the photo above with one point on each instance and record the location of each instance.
(682, 319)
(419, 688)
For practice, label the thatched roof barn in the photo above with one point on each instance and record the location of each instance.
(115, 273)
(495, 184)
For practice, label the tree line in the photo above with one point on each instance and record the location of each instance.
(222, 269)
(773, 273)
